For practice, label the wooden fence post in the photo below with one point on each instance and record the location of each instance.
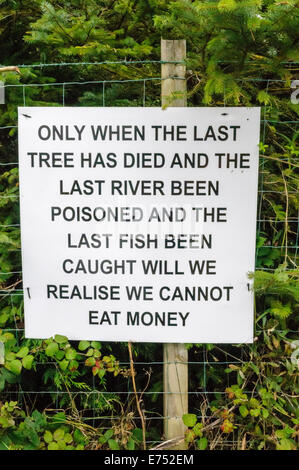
(173, 93)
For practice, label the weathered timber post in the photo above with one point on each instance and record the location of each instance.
(173, 93)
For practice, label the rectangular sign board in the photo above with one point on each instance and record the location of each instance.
(139, 224)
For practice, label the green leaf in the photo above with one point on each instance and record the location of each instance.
(190, 436)
(6, 376)
(61, 445)
(30, 432)
(40, 420)
(79, 437)
(74, 365)
(263, 97)
(6, 422)
(255, 368)
(286, 444)
(53, 446)
(137, 435)
(202, 443)
(68, 438)
(198, 429)
(48, 437)
(3, 318)
(27, 361)
(60, 339)
(131, 444)
(59, 355)
(101, 373)
(63, 364)
(90, 361)
(70, 354)
(83, 345)
(59, 418)
(108, 434)
(10, 356)
(58, 434)
(189, 420)
(243, 411)
(51, 349)
(113, 445)
(22, 352)
(14, 366)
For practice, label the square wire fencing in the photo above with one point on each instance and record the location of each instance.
(213, 369)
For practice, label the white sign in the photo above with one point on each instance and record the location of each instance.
(139, 223)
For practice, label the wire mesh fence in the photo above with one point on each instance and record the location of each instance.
(111, 400)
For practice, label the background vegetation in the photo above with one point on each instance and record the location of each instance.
(57, 394)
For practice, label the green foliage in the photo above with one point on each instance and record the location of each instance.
(194, 435)
(281, 291)
(189, 420)
(42, 431)
(240, 53)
